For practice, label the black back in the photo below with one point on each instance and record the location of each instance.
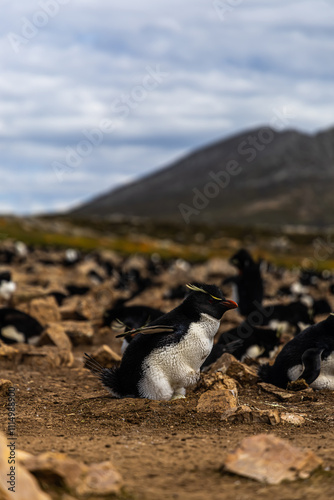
(292, 313)
(249, 282)
(319, 336)
(23, 323)
(5, 276)
(249, 336)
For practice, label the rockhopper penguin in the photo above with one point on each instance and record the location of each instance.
(308, 356)
(165, 357)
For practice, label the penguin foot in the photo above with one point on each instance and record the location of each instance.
(177, 396)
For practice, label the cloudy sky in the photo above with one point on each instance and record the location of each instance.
(94, 93)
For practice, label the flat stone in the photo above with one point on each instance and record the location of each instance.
(271, 460)
(307, 394)
(80, 480)
(217, 400)
(292, 418)
(244, 414)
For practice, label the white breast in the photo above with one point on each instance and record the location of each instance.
(10, 332)
(325, 380)
(326, 376)
(7, 288)
(178, 365)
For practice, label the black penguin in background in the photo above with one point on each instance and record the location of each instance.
(248, 285)
(308, 356)
(17, 326)
(165, 357)
(254, 341)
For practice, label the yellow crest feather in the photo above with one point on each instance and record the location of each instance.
(198, 289)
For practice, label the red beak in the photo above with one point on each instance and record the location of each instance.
(230, 304)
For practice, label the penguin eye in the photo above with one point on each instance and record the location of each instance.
(211, 301)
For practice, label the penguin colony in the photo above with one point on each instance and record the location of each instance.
(163, 353)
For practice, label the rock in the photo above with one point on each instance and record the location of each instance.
(7, 355)
(26, 485)
(284, 395)
(44, 357)
(90, 306)
(216, 380)
(271, 417)
(80, 480)
(4, 386)
(106, 356)
(54, 334)
(68, 309)
(44, 309)
(100, 480)
(26, 293)
(271, 460)
(292, 418)
(230, 366)
(297, 385)
(244, 414)
(79, 332)
(106, 335)
(218, 400)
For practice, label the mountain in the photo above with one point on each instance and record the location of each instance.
(259, 176)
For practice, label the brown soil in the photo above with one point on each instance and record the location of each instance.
(164, 450)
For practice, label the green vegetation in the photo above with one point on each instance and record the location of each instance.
(194, 243)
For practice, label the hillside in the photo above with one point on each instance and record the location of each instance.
(260, 176)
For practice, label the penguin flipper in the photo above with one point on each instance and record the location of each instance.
(148, 330)
(311, 360)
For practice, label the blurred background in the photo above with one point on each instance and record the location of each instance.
(231, 99)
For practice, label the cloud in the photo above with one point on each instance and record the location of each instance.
(87, 64)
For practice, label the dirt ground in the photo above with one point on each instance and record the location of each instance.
(164, 450)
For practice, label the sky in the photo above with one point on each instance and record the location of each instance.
(96, 93)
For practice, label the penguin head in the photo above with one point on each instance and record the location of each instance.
(208, 299)
(242, 259)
